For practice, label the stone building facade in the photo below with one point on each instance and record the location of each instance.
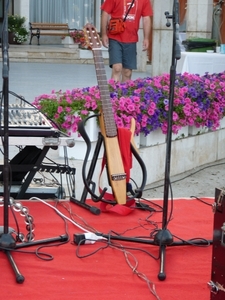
(198, 23)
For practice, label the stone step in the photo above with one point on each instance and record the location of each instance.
(51, 54)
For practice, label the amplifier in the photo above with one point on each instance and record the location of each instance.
(217, 283)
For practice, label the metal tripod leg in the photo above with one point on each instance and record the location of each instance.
(19, 277)
(162, 273)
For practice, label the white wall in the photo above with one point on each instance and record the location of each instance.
(21, 7)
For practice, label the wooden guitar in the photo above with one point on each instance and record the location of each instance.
(114, 162)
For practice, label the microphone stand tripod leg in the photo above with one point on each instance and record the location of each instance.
(162, 273)
(19, 277)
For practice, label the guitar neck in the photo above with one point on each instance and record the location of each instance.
(107, 110)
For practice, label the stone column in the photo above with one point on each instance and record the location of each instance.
(199, 18)
(141, 55)
(199, 24)
(162, 37)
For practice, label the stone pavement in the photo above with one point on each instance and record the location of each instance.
(33, 79)
(199, 182)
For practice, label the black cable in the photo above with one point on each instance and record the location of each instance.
(40, 254)
(109, 243)
(81, 242)
(50, 257)
(153, 203)
(194, 241)
(199, 199)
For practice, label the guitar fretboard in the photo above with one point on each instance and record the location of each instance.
(107, 110)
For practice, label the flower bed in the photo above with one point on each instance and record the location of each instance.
(17, 28)
(77, 36)
(198, 101)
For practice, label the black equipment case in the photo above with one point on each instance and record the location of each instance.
(217, 283)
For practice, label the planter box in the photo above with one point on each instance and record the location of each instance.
(69, 43)
(157, 137)
(222, 123)
(92, 129)
(79, 150)
(192, 130)
(182, 133)
(137, 140)
(154, 138)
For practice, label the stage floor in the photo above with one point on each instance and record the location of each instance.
(113, 269)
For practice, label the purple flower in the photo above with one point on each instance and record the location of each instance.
(198, 101)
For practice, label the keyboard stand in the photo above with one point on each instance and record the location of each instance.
(32, 168)
(31, 174)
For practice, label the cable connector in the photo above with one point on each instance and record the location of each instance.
(87, 238)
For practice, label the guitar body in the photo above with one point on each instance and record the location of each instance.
(114, 164)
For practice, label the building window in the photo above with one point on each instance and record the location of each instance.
(10, 10)
(74, 12)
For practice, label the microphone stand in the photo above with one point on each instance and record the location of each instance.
(7, 242)
(163, 236)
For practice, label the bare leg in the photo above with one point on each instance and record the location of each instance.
(126, 74)
(116, 72)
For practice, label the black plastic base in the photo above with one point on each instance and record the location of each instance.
(163, 237)
(7, 241)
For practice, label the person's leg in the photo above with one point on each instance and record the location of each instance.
(129, 60)
(126, 74)
(116, 72)
(115, 59)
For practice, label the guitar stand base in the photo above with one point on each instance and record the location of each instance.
(94, 210)
(167, 239)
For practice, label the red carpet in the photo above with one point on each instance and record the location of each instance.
(106, 274)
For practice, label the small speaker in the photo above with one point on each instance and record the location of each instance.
(217, 283)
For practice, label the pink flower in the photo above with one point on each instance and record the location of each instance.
(198, 101)
(60, 109)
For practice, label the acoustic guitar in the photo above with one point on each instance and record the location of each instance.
(114, 162)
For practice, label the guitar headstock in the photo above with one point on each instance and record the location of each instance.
(91, 36)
